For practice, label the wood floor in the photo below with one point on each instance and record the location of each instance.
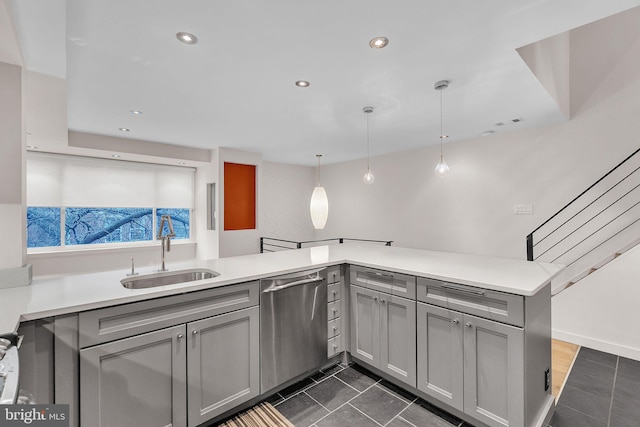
(562, 356)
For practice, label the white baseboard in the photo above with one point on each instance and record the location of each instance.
(596, 344)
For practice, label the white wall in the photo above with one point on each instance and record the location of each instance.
(283, 193)
(90, 260)
(285, 201)
(601, 310)
(471, 209)
(207, 239)
(238, 242)
(12, 175)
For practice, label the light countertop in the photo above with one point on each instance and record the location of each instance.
(70, 294)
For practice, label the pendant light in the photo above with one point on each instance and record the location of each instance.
(442, 168)
(319, 206)
(368, 177)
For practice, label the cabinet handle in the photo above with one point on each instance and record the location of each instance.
(468, 324)
(195, 332)
(479, 293)
(180, 336)
(335, 329)
(335, 293)
(335, 310)
(335, 346)
(383, 301)
(456, 321)
(375, 298)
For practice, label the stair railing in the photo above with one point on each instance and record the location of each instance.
(601, 212)
(270, 244)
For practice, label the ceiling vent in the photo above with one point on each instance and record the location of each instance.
(510, 122)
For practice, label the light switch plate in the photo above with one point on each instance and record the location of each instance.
(522, 209)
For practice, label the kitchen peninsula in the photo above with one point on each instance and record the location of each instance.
(488, 306)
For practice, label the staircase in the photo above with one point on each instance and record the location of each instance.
(596, 227)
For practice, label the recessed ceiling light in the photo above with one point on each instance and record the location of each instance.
(124, 130)
(379, 42)
(187, 38)
(444, 136)
(136, 112)
(32, 147)
(302, 83)
(488, 132)
(116, 156)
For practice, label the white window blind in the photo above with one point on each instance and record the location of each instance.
(59, 180)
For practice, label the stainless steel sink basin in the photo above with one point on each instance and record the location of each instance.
(168, 278)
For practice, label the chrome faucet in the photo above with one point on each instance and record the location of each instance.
(166, 239)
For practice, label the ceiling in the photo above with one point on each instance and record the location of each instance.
(235, 87)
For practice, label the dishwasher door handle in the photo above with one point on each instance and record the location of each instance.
(292, 284)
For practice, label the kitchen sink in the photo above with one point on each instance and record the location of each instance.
(168, 278)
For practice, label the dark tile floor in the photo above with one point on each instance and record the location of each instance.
(352, 396)
(603, 390)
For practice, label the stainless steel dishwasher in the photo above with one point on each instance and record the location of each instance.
(293, 326)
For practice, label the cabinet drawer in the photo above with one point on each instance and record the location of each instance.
(334, 274)
(333, 292)
(393, 283)
(108, 324)
(334, 346)
(494, 305)
(334, 328)
(333, 310)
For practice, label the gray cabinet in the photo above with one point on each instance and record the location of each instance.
(383, 332)
(475, 365)
(494, 372)
(334, 304)
(440, 354)
(223, 361)
(179, 376)
(138, 381)
(385, 281)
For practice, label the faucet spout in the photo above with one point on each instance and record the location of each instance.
(165, 245)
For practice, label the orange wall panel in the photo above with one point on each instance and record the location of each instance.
(239, 196)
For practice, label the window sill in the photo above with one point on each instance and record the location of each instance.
(62, 251)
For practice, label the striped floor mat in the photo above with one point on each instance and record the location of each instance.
(261, 415)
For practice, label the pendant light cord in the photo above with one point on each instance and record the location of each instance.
(441, 134)
(368, 150)
(318, 171)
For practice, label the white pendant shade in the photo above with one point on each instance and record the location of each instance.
(319, 208)
(368, 178)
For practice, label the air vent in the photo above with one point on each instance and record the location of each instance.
(510, 122)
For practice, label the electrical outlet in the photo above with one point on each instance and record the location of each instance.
(547, 379)
(522, 209)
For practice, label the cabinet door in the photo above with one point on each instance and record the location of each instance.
(398, 337)
(440, 354)
(138, 381)
(494, 372)
(223, 363)
(365, 325)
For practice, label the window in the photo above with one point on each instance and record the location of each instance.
(80, 201)
(43, 227)
(179, 219)
(86, 226)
